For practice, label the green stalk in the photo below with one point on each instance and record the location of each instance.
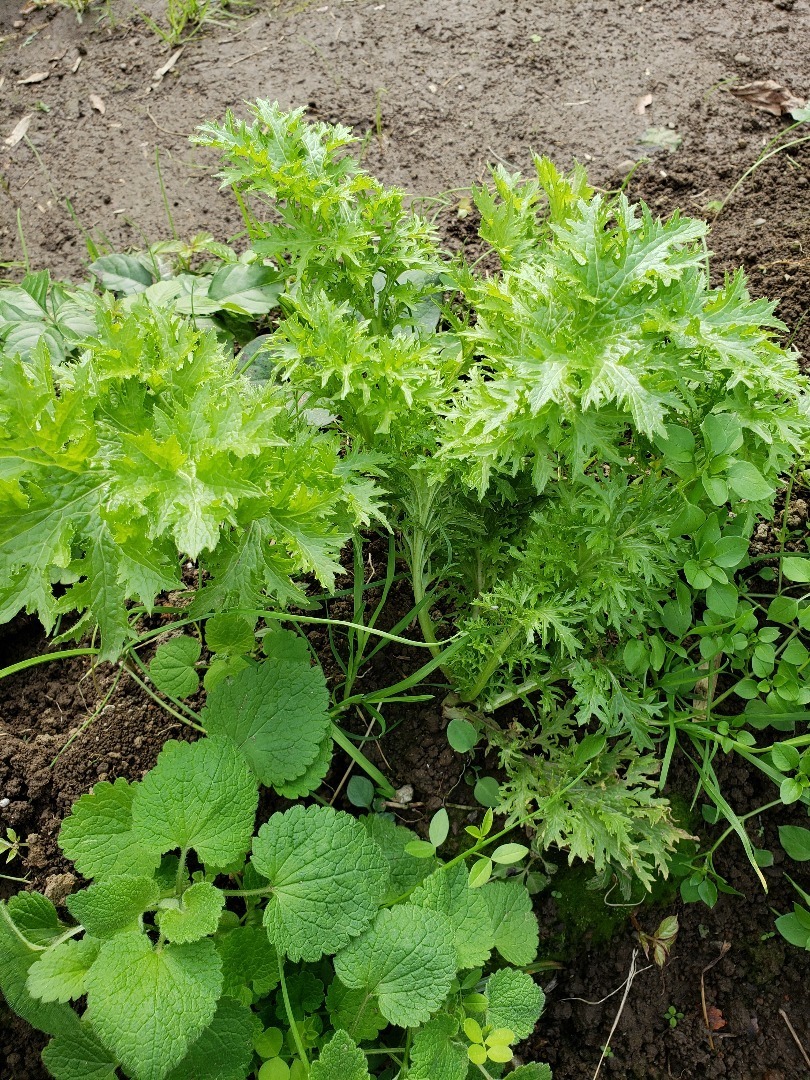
(291, 1019)
(359, 758)
(44, 658)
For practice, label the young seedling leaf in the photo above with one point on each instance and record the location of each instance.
(360, 791)
(515, 1001)
(340, 1059)
(196, 917)
(229, 635)
(98, 834)
(796, 841)
(276, 714)
(199, 795)
(448, 892)
(172, 667)
(407, 958)
(149, 1005)
(439, 827)
(513, 921)
(327, 878)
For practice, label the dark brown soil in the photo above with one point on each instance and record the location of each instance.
(454, 86)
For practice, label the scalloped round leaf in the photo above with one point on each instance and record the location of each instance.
(514, 923)
(79, 1056)
(434, 1055)
(149, 1005)
(98, 834)
(313, 777)
(199, 795)
(276, 714)
(328, 879)
(229, 635)
(172, 667)
(407, 958)
(113, 904)
(248, 960)
(448, 892)
(60, 973)
(515, 1001)
(392, 839)
(198, 915)
(340, 1059)
(37, 918)
(224, 1051)
(354, 1011)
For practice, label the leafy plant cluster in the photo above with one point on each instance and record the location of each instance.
(318, 947)
(570, 455)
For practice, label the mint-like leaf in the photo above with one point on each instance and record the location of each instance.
(406, 871)
(340, 1059)
(199, 795)
(113, 904)
(249, 961)
(434, 1055)
(354, 1011)
(515, 1001)
(314, 776)
(196, 917)
(407, 958)
(98, 835)
(36, 917)
(224, 1051)
(172, 667)
(327, 880)
(60, 974)
(276, 714)
(448, 892)
(514, 923)
(79, 1056)
(147, 1004)
(534, 1071)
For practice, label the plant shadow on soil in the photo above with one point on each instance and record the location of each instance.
(516, 94)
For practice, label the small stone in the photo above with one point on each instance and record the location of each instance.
(137, 742)
(759, 221)
(4, 803)
(432, 87)
(742, 58)
(58, 886)
(626, 166)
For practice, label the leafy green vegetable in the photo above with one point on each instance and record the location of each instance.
(340, 1059)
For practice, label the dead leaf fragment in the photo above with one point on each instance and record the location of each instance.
(19, 131)
(768, 95)
(97, 103)
(167, 67)
(715, 1018)
(642, 103)
(38, 76)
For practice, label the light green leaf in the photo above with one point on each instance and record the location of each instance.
(224, 1051)
(439, 827)
(406, 872)
(796, 841)
(407, 958)
(149, 1005)
(230, 635)
(534, 1071)
(448, 892)
(197, 917)
(796, 569)
(79, 1056)
(113, 904)
(479, 873)
(276, 714)
(515, 1001)
(340, 1059)
(122, 273)
(172, 667)
(328, 879)
(60, 973)
(36, 917)
(199, 795)
(221, 668)
(509, 854)
(98, 834)
(315, 775)
(514, 923)
(748, 482)
(354, 1011)
(434, 1054)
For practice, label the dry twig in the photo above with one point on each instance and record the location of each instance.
(796, 1038)
(723, 950)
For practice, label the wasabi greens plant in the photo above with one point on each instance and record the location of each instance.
(570, 454)
(318, 947)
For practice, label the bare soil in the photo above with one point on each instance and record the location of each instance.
(441, 90)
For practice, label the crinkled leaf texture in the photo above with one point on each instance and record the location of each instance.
(224, 1051)
(249, 961)
(328, 879)
(407, 958)
(514, 923)
(355, 1011)
(150, 1004)
(276, 714)
(172, 667)
(79, 1056)
(406, 871)
(340, 1059)
(60, 974)
(448, 892)
(98, 835)
(113, 904)
(196, 917)
(514, 1001)
(534, 1071)
(199, 795)
(434, 1054)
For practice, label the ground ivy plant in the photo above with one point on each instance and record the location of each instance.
(317, 946)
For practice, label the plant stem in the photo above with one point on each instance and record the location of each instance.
(44, 658)
(291, 1019)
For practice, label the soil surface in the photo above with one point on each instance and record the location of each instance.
(440, 91)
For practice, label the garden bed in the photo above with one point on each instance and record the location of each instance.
(441, 93)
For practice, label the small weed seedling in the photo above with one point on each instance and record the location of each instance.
(673, 1017)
